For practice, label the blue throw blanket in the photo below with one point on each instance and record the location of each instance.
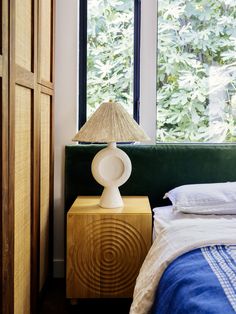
(202, 281)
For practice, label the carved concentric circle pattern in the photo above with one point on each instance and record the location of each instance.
(115, 253)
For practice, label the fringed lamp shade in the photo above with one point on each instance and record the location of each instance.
(111, 166)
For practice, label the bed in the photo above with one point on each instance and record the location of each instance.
(185, 243)
(191, 267)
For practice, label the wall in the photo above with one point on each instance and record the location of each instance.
(66, 97)
(65, 112)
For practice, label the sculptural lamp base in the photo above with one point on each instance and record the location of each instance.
(111, 167)
(111, 198)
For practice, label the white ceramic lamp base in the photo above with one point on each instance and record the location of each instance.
(111, 198)
(111, 167)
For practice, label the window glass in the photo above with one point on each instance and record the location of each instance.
(110, 56)
(196, 71)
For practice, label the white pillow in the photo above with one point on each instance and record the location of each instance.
(211, 198)
(165, 215)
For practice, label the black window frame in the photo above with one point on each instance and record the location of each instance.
(83, 17)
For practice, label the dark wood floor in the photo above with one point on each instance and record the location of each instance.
(54, 302)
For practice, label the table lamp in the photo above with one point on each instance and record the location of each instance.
(111, 166)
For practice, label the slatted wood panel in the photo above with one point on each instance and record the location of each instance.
(45, 41)
(23, 31)
(1, 65)
(23, 121)
(22, 217)
(45, 135)
(1, 19)
(6, 233)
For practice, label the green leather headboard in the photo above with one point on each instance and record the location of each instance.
(155, 168)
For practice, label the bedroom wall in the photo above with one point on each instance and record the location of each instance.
(66, 98)
(66, 95)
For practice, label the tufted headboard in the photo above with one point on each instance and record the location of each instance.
(155, 168)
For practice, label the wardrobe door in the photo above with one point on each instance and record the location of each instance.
(6, 232)
(45, 81)
(26, 154)
(24, 151)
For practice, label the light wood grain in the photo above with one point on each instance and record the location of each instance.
(89, 205)
(22, 255)
(24, 77)
(23, 31)
(46, 90)
(106, 248)
(48, 85)
(44, 185)
(45, 39)
(20, 180)
(9, 213)
(1, 61)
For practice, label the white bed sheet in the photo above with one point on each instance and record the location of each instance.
(175, 237)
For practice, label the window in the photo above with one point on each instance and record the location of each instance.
(196, 71)
(109, 55)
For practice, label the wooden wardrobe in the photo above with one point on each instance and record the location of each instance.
(26, 152)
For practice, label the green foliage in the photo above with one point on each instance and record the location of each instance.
(196, 75)
(110, 52)
(196, 72)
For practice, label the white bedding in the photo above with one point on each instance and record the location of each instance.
(174, 238)
(164, 214)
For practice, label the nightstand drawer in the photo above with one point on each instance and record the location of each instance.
(106, 248)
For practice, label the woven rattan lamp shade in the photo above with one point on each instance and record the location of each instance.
(111, 123)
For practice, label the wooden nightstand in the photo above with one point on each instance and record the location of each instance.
(106, 247)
